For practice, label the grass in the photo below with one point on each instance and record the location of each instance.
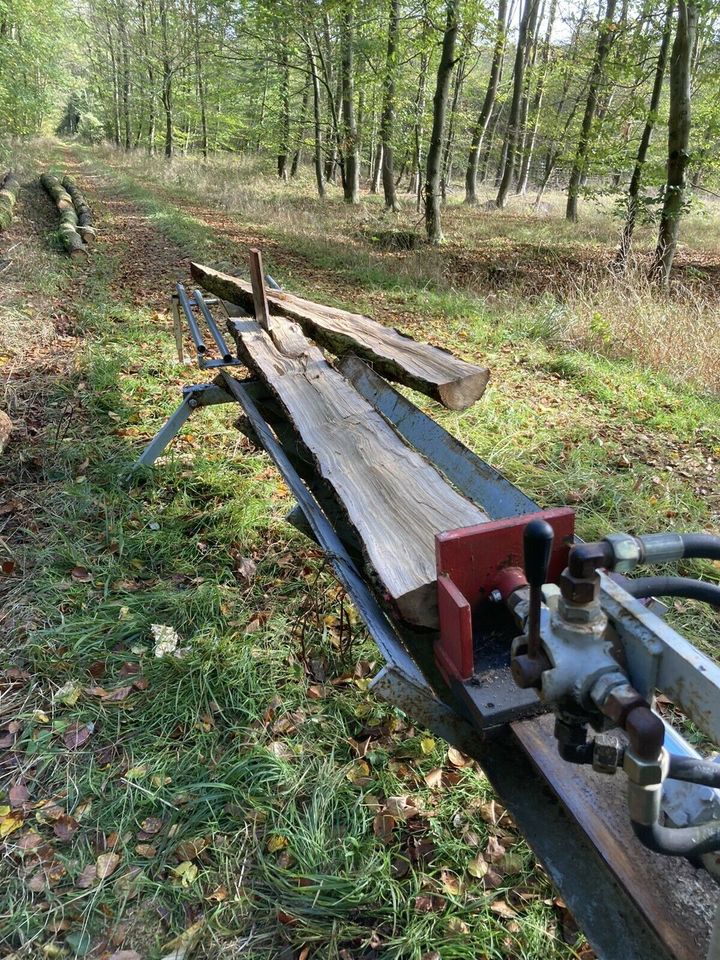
(243, 786)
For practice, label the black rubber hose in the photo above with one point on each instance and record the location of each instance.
(674, 587)
(694, 770)
(701, 545)
(681, 841)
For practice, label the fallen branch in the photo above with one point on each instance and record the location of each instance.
(426, 368)
(68, 229)
(85, 227)
(9, 187)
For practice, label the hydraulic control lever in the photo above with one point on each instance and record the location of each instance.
(537, 547)
(528, 665)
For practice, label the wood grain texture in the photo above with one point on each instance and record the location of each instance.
(677, 900)
(394, 499)
(430, 370)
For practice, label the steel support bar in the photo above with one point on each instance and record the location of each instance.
(212, 327)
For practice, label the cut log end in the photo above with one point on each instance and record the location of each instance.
(461, 394)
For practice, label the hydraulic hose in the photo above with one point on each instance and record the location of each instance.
(680, 841)
(674, 587)
(702, 545)
(694, 770)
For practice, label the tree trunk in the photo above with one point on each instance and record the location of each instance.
(388, 108)
(478, 133)
(125, 53)
(418, 130)
(529, 12)
(537, 102)
(282, 160)
(606, 35)
(678, 140)
(377, 170)
(351, 184)
(200, 82)
(297, 156)
(454, 103)
(623, 253)
(317, 121)
(434, 157)
(531, 48)
(167, 80)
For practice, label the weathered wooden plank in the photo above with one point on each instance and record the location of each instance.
(676, 899)
(394, 499)
(431, 370)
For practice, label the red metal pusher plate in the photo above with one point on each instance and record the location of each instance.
(474, 561)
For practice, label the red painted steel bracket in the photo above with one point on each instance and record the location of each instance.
(474, 561)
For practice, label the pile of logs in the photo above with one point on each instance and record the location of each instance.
(9, 187)
(84, 214)
(76, 230)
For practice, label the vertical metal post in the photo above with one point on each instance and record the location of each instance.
(262, 312)
(177, 329)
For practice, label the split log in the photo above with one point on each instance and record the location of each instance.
(85, 227)
(9, 187)
(68, 228)
(393, 498)
(430, 370)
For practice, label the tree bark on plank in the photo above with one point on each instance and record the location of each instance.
(71, 239)
(393, 498)
(9, 187)
(428, 369)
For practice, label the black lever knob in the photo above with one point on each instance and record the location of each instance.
(537, 548)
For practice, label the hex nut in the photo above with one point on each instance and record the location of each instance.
(620, 701)
(579, 589)
(607, 754)
(645, 773)
(626, 550)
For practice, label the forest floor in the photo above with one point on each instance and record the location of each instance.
(246, 796)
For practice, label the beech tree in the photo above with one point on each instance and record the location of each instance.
(678, 139)
(434, 157)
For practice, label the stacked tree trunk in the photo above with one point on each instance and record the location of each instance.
(68, 229)
(85, 226)
(9, 187)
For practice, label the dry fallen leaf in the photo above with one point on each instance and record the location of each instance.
(276, 843)
(503, 909)
(145, 850)
(77, 734)
(88, 877)
(456, 758)
(82, 574)
(151, 826)
(125, 955)
(383, 826)
(478, 867)
(18, 795)
(106, 864)
(65, 826)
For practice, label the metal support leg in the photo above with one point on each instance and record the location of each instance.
(201, 395)
(165, 435)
